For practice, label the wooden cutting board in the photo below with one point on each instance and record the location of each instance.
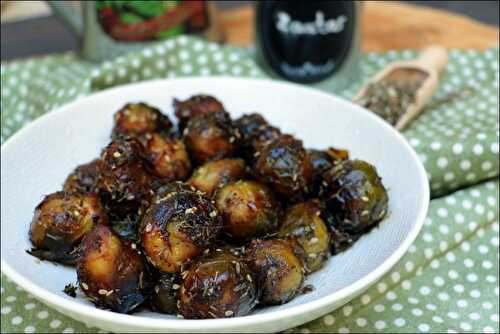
(388, 26)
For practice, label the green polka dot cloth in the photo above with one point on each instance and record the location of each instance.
(448, 280)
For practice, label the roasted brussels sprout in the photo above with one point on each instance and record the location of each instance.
(126, 227)
(355, 197)
(255, 133)
(303, 223)
(60, 222)
(124, 179)
(177, 227)
(278, 269)
(339, 240)
(210, 137)
(194, 106)
(110, 272)
(248, 209)
(138, 119)
(284, 165)
(323, 161)
(163, 297)
(84, 178)
(215, 174)
(168, 158)
(320, 160)
(218, 285)
(164, 190)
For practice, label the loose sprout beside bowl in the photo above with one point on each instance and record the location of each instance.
(207, 219)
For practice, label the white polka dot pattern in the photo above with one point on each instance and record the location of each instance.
(455, 298)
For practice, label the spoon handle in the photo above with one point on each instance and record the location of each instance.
(433, 58)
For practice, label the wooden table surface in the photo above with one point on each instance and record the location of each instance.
(387, 26)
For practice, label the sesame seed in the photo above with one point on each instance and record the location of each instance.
(109, 293)
(365, 213)
(313, 240)
(175, 286)
(102, 292)
(313, 255)
(85, 286)
(213, 214)
(237, 267)
(134, 246)
(249, 278)
(148, 228)
(117, 154)
(191, 210)
(365, 199)
(228, 313)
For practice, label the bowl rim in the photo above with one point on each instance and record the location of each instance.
(137, 321)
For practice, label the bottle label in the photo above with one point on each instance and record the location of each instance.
(305, 41)
(319, 26)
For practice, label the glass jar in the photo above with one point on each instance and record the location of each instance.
(111, 28)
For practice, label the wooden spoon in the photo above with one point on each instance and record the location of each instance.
(422, 73)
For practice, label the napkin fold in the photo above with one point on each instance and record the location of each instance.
(448, 281)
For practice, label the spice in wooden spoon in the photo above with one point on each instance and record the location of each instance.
(399, 92)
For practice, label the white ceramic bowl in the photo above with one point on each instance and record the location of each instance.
(37, 159)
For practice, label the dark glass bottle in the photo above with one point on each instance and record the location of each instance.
(310, 42)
